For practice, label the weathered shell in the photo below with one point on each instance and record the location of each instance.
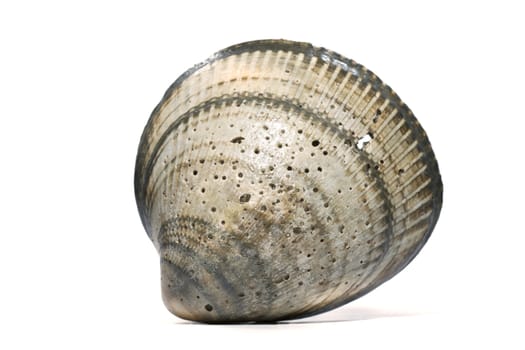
(279, 180)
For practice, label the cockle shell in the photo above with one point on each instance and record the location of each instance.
(278, 180)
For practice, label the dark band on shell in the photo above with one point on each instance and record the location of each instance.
(279, 180)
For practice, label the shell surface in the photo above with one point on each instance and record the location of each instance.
(278, 180)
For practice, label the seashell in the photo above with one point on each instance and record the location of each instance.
(278, 180)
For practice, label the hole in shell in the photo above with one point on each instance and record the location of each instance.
(245, 198)
(237, 139)
(364, 140)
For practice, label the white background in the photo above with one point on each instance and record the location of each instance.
(78, 82)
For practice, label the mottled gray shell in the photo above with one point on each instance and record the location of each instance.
(279, 180)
